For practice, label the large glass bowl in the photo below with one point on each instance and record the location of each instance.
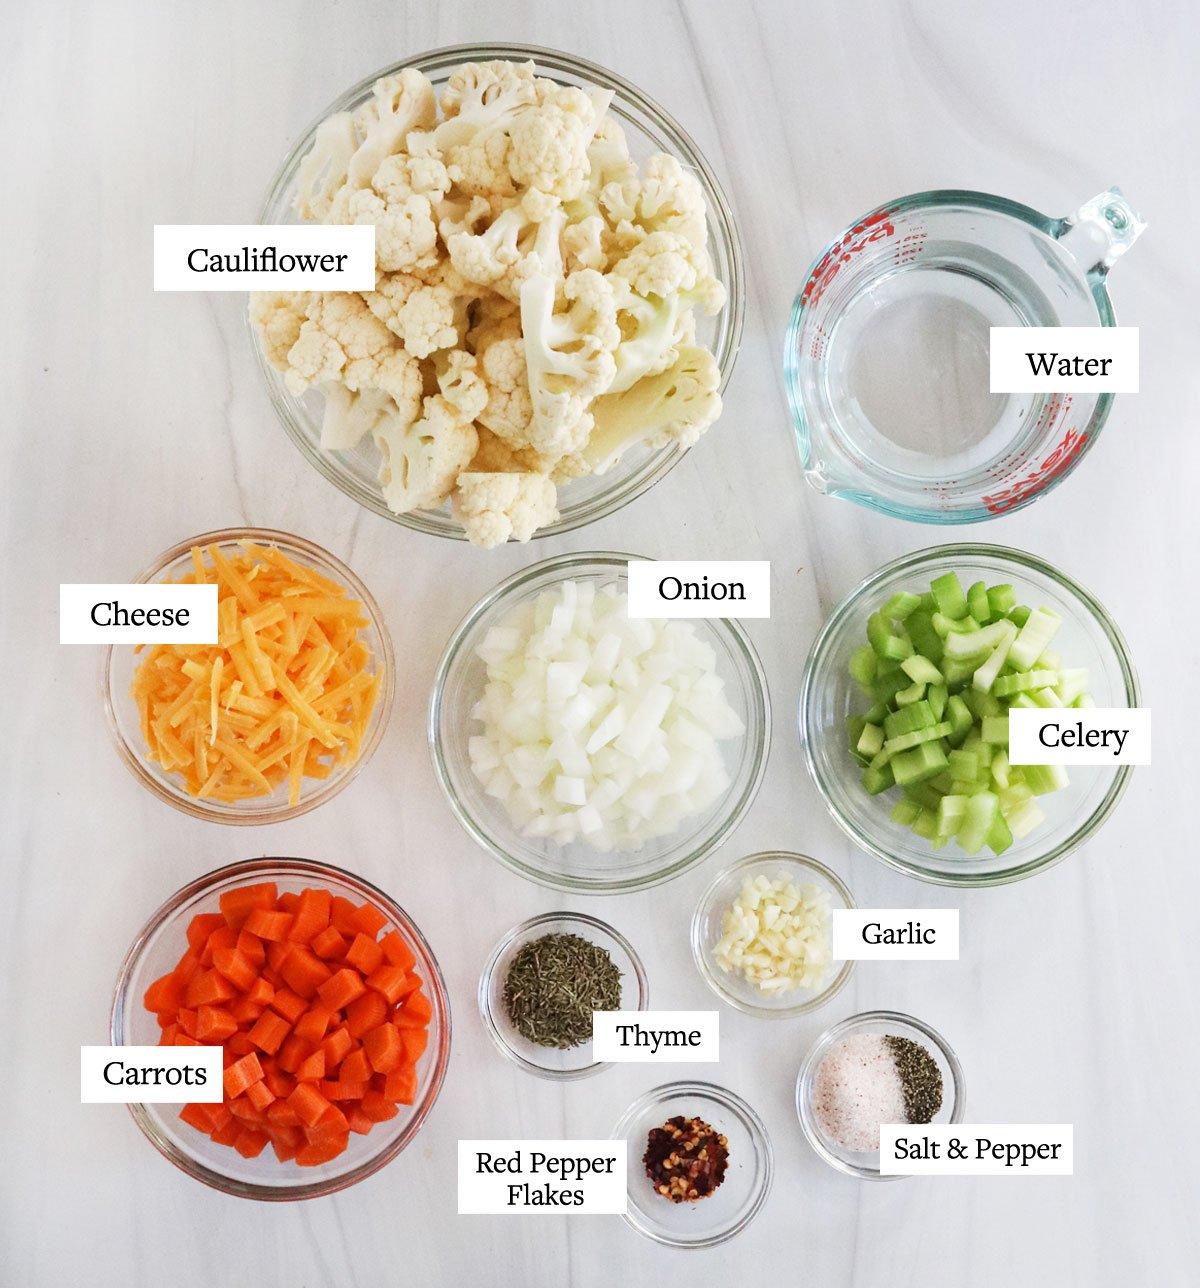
(155, 951)
(460, 680)
(648, 128)
(119, 662)
(1088, 638)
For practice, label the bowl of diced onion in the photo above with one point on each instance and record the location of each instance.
(762, 934)
(1081, 798)
(590, 751)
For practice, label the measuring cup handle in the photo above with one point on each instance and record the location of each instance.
(1100, 231)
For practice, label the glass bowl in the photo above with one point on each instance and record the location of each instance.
(883, 1023)
(648, 129)
(155, 951)
(119, 662)
(707, 930)
(550, 1062)
(1088, 638)
(731, 1207)
(577, 867)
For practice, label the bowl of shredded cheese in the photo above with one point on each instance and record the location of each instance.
(762, 934)
(283, 711)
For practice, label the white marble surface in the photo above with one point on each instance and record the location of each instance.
(133, 420)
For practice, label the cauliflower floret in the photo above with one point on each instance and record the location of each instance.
(425, 317)
(495, 456)
(501, 352)
(459, 382)
(422, 460)
(672, 200)
(349, 417)
(549, 143)
(405, 233)
(583, 244)
(325, 166)
(401, 176)
(663, 264)
(495, 508)
(277, 317)
(675, 406)
(481, 101)
(398, 104)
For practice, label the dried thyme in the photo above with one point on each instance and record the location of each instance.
(554, 984)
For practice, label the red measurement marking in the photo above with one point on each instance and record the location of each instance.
(1058, 462)
(876, 227)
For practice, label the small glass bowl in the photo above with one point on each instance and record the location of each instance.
(157, 948)
(731, 1207)
(883, 1023)
(550, 1062)
(648, 128)
(119, 662)
(577, 867)
(707, 930)
(1088, 637)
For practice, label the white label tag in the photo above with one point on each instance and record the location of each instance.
(141, 613)
(700, 588)
(551, 1177)
(993, 1149)
(1060, 359)
(264, 257)
(656, 1037)
(895, 934)
(151, 1075)
(1079, 735)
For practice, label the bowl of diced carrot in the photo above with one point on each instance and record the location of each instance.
(330, 1010)
(283, 710)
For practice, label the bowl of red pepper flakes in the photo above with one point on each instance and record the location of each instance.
(700, 1164)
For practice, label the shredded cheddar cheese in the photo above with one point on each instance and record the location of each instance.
(285, 694)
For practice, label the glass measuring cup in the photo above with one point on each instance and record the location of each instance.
(887, 358)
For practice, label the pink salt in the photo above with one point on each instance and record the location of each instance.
(855, 1089)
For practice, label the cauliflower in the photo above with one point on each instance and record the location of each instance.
(423, 459)
(675, 406)
(535, 299)
(495, 508)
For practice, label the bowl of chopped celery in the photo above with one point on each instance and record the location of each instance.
(675, 359)
(590, 751)
(904, 713)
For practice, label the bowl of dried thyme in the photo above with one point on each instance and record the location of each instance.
(542, 982)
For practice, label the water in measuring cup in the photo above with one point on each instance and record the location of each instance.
(907, 368)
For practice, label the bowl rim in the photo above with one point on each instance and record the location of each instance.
(783, 858)
(720, 219)
(438, 996)
(913, 562)
(809, 1065)
(211, 812)
(524, 931)
(617, 562)
(755, 1128)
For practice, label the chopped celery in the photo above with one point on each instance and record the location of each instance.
(887, 686)
(902, 742)
(982, 811)
(937, 696)
(901, 605)
(914, 693)
(958, 674)
(959, 715)
(864, 666)
(925, 639)
(1043, 779)
(1000, 768)
(921, 670)
(923, 794)
(906, 812)
(1049, 661)
(964, 644)
(946, 626)
(878, 780)
(917, 716)
(948, 594)
(919, 763)
(876, 714)
(963, 764)
(977, 603)
(985, 677)
(982, 704)
(1072, 684)
(999, 836)
(886, 642)
(1023, 818)
(926, 824)
(870, 741)
(1019, 615)
(1025, 682)
(1001, 600)
(951, 812)
(1034, 638)
(1047, 698)
(995, 730)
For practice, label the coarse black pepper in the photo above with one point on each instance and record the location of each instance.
(920, 1078)
(685, 1159)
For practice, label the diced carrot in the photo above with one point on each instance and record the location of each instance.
(208, 986)
(240, 1075)
(183, 1039)
(342, 988)
(222, 937)
(378, 1107)
(314, 1155)
(243, 1110)
(308, 1103)
(260, 1095)
(235, 967)
(329, 943)
(342, 1090)
(228, 1134)
(366, 1013)
(391, 981)
(165, 995)
(303, 971)
(293, 1053)
(187, 966)
(281, 1084)
(369, 919)
(397, 951)
(251, 948)
(281, 1114)
(332, 1123)
(285, 1148)
(250, 1143)
(341, 916)
(314, 1023)
(384, 1048)
(364, 954)
(401, 1086)
(269, 1032)
(312, 916)
(188, 1020)
(355, 1067)
(337, 1046)
(197, 1116)
(238, 1046)
(237, 905)
(213, 1024)
(271, 926)
(313, 1067)
(288, 1005)
(358, 1121)
(277, 954)
(415, 1013)
(167, 1036)
(415, 1041)
(288, 901)
(245, 1010)
(260, 991)
(200, 927)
